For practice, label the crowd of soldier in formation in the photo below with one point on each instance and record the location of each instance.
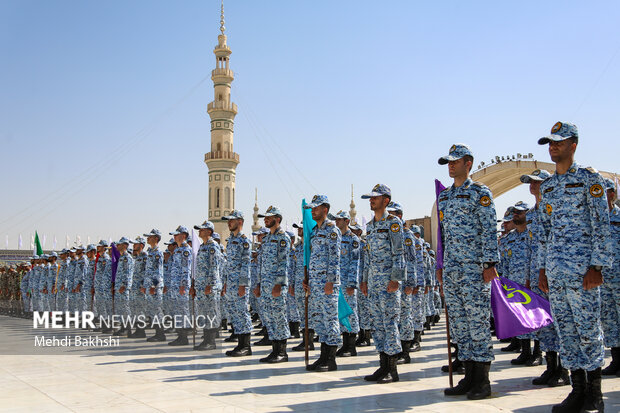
(565, 248)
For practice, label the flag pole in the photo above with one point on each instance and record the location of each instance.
(307, 296)
(445, 308)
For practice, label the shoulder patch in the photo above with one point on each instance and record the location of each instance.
(485, 201)
(408, 242)
(596, 191)
(418, 246)
(283, 243)
(246, 245)
(549, 209)
(356, 244)
(212, 250)
(333, 235)
(395, 227)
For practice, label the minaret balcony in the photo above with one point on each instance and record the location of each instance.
(222, 155)
(221, 105)
(222, 74)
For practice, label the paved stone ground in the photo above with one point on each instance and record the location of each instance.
(139, 376)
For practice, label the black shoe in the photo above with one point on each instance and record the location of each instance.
(482, 386)
(575, 399)
(380, 372)
(614, 366)
(272, 355)
(262, 332)
(437, 318)
(536, 359)
(320, 360)
(329, 362)
(169, 330)
(345, 343)
(119, 332)
(181, 340)
(593, 401)
(515, 345)
(208, 343)
(403, 357)
(348, 346)
(302, 346)
(264, 342)
(280, 352)
(224, 324)
(159, 336)
(465, 384)
(560, 376)
(243, 348)
(552, 364)
(457, 365)
(415, 345)
(391, 375)
(364, 339)
(526, 353)
(427, 323)
(139, 333)
(232, 339)
(294, 327)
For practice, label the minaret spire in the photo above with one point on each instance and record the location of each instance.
(222, 21)
(255, 225)
(352, 211)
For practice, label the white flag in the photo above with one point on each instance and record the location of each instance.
(55, 242)
(195, 247)
(19, 242)
(7, 242)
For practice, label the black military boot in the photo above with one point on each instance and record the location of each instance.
(181, 339)
(614, 366)
(593, 395)
(294, 327)
(262, 332)
(329, 363)
(482, 386)
(515, 345)
(437, 317)
(352, 349)
(526, 353)
(122, 330)
(465, 384)
(403, 357)
(427, 323)
(302, 346)
(345, 344)
(265, 341)
(536, 359)
(139, 333)
(560, 376)
(280, 356)
(391, 375)
(243, 348)
(224, 324)
(208, 341)
(364, 339)
(415, 345)
(159, 335)
(233, 337)
(273, 354)
(320, 360)
(576, 397)
(552, 364)
(457, 365)
(383, 368)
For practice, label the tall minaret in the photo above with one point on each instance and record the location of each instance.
(255, 225)
(352, 211)
(221, 160)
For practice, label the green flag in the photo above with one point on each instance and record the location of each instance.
(37, 245)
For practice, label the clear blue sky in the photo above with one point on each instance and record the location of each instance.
(103, 121)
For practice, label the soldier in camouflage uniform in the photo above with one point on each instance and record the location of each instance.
(154, 285)
(349, 277)
(324, 283)
(610, 290)
(137, 295)
(103, 286)
(88, 288)
(468, 228)
(237, 283)
(576, 247)
(180, 283)
(272, 278)
(554, 375)
(297, 292)
(79, 273)
(419, 285)
(122, 286)
(384, 272)
(292, 312)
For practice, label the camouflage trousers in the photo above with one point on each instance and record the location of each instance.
(208, 306)
(323, 312)
(468, 299)
(273, 311)
(436, 301)
(406, 324)
(428, 300)
(353, 318)
(121, 303)
(577, 320)
(610, 310)
(384, 311)
(292, 310)
(103, 300)
(300, 300)
(154, 304)
(547, 335)
(137, 303)
(62, 301)
(179, 306)
(363, 312)
(417, 310)
(238, 313)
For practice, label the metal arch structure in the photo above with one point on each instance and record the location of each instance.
(502, 177)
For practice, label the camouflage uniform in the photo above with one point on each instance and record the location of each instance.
(237, 275)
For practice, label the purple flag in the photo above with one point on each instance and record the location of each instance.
(115, 255)
(438, 188)
(516, 309)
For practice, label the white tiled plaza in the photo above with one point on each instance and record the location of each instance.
(139, 376)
